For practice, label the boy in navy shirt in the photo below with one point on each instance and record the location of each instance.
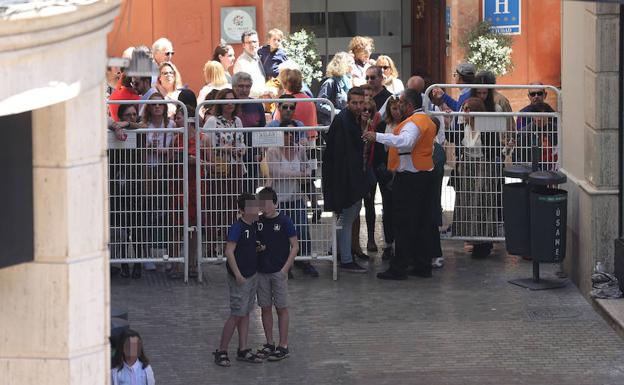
(278, 238)
(242, 263)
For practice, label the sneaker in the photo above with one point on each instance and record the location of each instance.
(437, 262)
(387, 254)
(371, 246)
(310, 270)
(279, 354)
(352, 267)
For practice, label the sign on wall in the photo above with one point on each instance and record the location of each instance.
(504, 15)
(235, 21)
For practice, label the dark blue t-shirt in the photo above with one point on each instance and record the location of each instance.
(274, 233)
(244, 236)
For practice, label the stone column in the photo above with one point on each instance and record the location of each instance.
(593, 187)
(54, 323)
(276, 14)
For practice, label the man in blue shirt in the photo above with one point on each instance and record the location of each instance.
(279, 246)
(465, 74)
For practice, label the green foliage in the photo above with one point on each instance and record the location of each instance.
(301, 48)
(488, 49)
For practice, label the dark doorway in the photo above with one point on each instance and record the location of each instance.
(429, 39)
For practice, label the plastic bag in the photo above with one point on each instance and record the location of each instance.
(605, 286)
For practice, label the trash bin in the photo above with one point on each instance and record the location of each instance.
(548, 215)
(516, 210)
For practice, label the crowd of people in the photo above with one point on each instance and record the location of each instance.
(380, 139)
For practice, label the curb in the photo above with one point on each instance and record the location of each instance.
(612, 311)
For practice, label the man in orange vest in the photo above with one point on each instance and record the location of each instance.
(410, 156)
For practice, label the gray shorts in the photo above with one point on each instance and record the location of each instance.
(273, 290)
(242, 297)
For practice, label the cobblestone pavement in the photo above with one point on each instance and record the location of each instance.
(467, 325)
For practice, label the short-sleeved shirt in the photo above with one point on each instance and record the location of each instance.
(244, 235)
(274, 233)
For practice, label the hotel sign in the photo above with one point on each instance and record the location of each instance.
(504, 15)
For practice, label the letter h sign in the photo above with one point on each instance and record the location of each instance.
(505, 16)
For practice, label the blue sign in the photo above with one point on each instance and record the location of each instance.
(504, 15)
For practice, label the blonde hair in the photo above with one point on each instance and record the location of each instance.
(339, 65)
(275, 32)
(393, 71)
(360, 43)
(178, 78)
(214, 74)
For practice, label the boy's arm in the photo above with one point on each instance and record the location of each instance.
(294, 250)
(231, 261)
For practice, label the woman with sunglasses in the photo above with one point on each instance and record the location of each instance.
(169, 84)
(390, 74)
(367, 123)
(394, 116)
(227, 169)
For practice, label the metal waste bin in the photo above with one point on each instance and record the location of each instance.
(516, 211)
(548, 213)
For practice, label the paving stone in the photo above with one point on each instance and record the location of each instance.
(467, 325)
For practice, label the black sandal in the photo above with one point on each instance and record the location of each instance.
(247, 356)
(279, 354)
(266, 351)
(221, 358)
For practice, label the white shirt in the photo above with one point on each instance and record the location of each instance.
(252, 65)
(133, 375)
(404, 142)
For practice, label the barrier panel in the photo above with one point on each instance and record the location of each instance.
(148, 195)
(230, 160)
(478, 146)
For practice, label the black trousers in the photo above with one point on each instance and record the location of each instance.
(436, 206)
(387, 212)
(412, 197)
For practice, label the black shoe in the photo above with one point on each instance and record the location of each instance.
(371, 246)
(352, 267)
(387, 254)
(482, 250)
(423, 273)
(279, 354)
(361, 255)
(391, 275)
(136, 271)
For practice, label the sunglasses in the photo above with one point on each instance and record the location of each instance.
(369, 110)
(536, 93)
(287, 107)
(371, 77)
(158, 105)
(384, 67)
(170, 53)
(167, 73)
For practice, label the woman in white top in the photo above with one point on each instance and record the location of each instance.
(226, 172)
(130, 364)
(288, 168)
(361, 48)
(214, 75)
(168, 84)
(390, 74)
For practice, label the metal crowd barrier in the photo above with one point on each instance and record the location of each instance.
(236, 160)
(472, 198)
(148, 193)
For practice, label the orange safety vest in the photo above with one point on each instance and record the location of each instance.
(422, 151)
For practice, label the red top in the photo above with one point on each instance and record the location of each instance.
(123, 93)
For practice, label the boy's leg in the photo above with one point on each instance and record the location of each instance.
(228, 332)
(265, 302)
(267, 324)
(283, 320)
(243, 330)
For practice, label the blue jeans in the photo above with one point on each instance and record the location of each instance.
(345, 220)
(296, 211)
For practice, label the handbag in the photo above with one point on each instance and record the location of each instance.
(451, 156)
